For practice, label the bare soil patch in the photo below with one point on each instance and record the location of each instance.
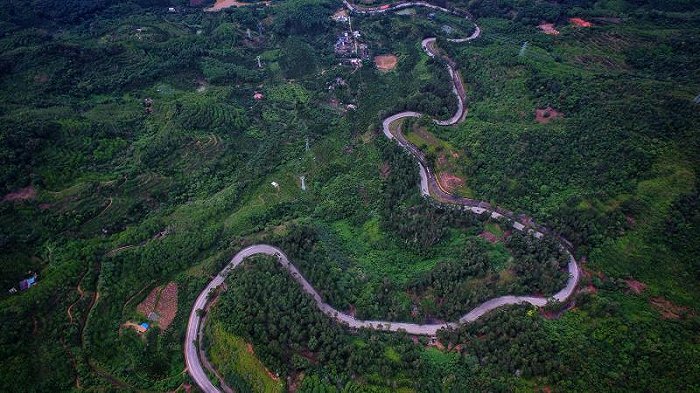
(636, 286)
(489, 237)
(384, 170)
(149, 303)
(667, 309)
(23, 194)
(223, 4)
(450, 182)
(580, 22)
(548, 28)
(386, 62)
(162, 301)
(545, 115)
(167, 305)
(132, 325)
(41, 78)
(294, 381)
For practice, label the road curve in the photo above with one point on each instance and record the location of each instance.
(429, 187)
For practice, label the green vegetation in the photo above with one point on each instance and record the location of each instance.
(133, 153)
(232, 358)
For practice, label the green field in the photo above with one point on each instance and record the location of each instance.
(231, 356)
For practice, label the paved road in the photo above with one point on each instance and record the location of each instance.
(429, 187)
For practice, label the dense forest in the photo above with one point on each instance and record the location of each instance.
(139, 144)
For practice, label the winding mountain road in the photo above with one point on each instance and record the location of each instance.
(429, 187)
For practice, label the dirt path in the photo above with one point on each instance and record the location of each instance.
(109, 204)
(80, 292)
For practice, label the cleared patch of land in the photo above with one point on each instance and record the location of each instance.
(223, 4)
(450, 182)
(449, 164)
(23, 194)
(386, 62)
(668, 309)
(548, 28)
(545, 115)
(580, 22)
(162, 301)
(636, 286)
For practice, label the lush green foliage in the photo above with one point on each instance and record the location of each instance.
(127, 194)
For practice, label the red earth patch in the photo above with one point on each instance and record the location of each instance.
(545, 115)
(162, 301)
(386, 62)
(385, 170)
(489, 237)
(667, 309)
(580, 22)
(23, 194)
(548, 28)
(636, 286)
(167, 305)
(41, 78)
(449, 181)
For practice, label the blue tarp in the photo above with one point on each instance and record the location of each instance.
(27, 283)
(144, 325)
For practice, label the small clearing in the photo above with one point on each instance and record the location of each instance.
(667, 309)
(162, 301)
(580, 22)
(384, 170)
(23, 194)
(636, 286)
(489, 237)
(41, 78)
(450, 182)
(167, 305)
(223, 4)
(149, 303)
(386, 62)
(545, 115)
(133, 325)
(548, 28)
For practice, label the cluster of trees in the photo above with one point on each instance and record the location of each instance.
(305, 17)
(540, 263)
(530, 352)
(302, 245)
(265, 306)
(457, 285)
(419, 223)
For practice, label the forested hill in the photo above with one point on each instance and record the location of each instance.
(141, 148)
(41, 12)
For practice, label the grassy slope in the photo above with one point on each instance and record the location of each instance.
(230, 355)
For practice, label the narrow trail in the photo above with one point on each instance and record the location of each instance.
(81, 334)
(80, 293)
(429, 187)
(71, 319)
